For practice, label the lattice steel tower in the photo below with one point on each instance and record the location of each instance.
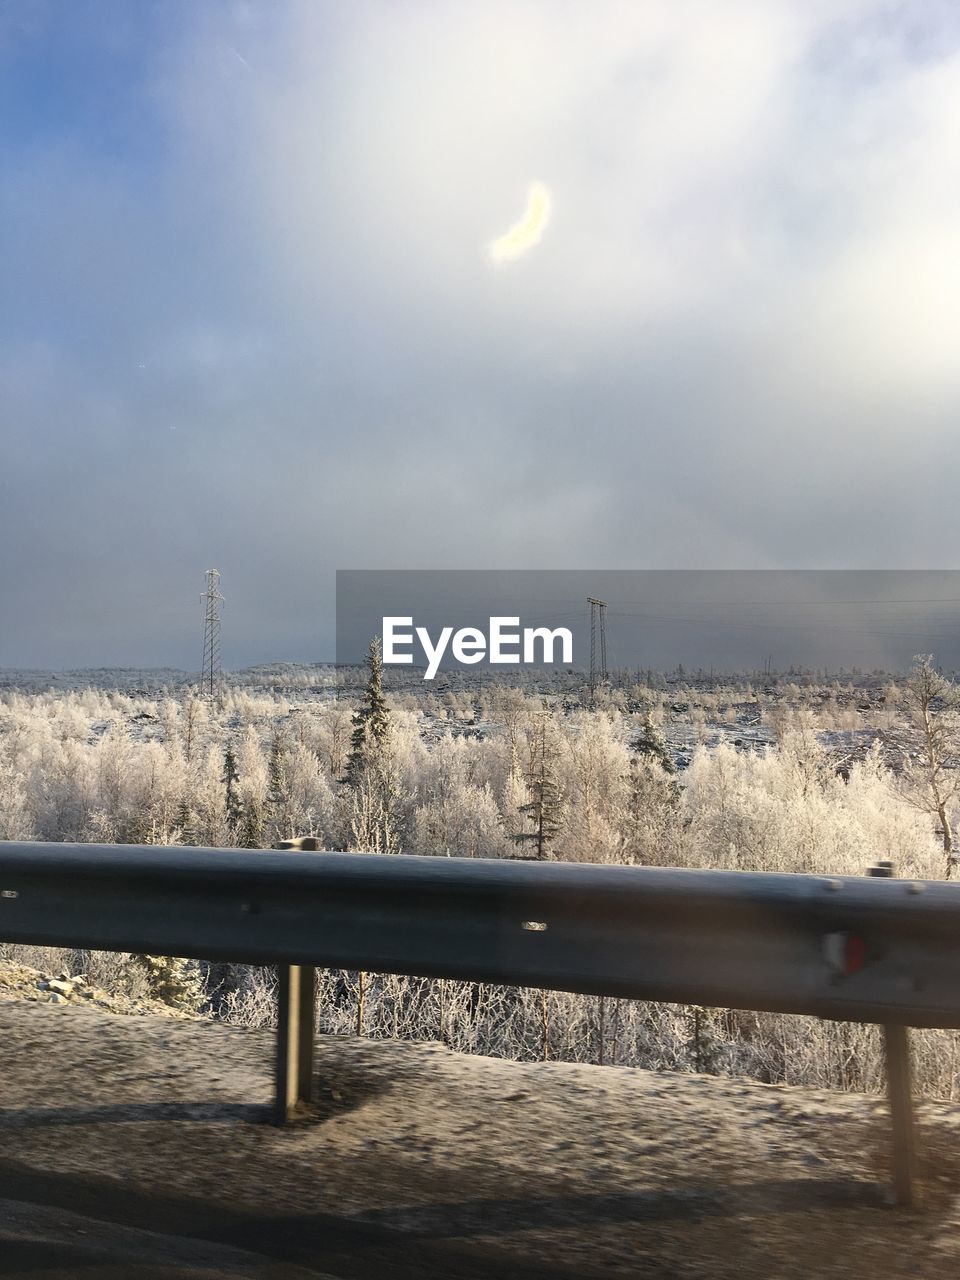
(598, 642)
(211, 673)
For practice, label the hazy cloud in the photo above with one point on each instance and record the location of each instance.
(249, 318)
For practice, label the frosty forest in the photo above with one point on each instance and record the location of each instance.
(790, 773)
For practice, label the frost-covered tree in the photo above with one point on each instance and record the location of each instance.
(651, 743)
(544, 809)
(174, 981)
(374, 769)
(456, 814)
(757, 811)
(279, 795)
(307, 798)
(210, 821)
(595, 763)
(252, 792)
(332, 738)
(194, 720)
(375, 804)
(651, 826)
(15, 819)
(931, 777)
(231, 776)
(371, 720)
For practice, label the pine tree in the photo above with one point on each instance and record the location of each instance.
(652, 743)
(375, 809)
(183, 822)
(545, 808)
(705, 1047)
(252, 825)
(177, 982)
(231, 776)
(277, 770)
(371, 720)
(649, 825)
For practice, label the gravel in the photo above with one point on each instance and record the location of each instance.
(146, 1141)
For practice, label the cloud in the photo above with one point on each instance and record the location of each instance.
(526, 233)
(735, 346)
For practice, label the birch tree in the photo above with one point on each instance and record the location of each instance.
(931, 779)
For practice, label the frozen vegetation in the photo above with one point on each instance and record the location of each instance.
(787, 774)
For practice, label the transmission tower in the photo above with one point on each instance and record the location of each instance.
(598, 643)
(211, 673)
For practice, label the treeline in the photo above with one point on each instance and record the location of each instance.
(498, 774)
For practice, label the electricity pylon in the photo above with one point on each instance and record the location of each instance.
(598, 643)
(211, 674)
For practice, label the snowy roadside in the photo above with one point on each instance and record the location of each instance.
(456, 1165)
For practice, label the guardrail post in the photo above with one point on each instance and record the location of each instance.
(296, 996)
(896, 1047)
(296, 1000)
(896, 1043)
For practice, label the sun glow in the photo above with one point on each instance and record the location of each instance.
(526, 233)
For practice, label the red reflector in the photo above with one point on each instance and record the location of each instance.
(855, 954)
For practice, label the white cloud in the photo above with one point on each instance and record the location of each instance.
(737, 331)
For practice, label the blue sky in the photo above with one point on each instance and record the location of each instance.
(77, 73)
(248, 316)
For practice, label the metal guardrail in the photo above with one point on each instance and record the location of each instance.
(856, 949)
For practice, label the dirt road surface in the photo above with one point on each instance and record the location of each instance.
(140, 1148)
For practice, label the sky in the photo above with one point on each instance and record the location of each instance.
(292, 286)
